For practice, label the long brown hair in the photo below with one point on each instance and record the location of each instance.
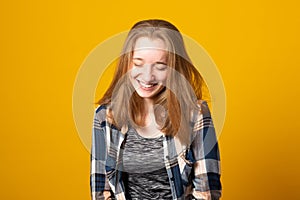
(176, 101)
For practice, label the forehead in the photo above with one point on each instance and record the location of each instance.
(145, 43)
(149, 48)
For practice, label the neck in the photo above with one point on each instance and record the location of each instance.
(149, 112)
(148, 103)
(150, 128)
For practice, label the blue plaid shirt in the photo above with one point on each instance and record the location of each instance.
(194, 173)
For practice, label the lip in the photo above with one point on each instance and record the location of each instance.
(147, 86)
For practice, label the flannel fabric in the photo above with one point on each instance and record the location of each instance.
(194, 173)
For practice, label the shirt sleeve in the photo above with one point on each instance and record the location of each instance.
(100, 188)
(206, 182)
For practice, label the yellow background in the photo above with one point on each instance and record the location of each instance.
(255, 45)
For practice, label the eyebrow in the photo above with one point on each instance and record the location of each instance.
(158, 62)
(138, 59)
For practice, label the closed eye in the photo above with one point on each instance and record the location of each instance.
(161, 66)
(138, 64)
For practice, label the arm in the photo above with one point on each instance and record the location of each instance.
(206, 181)
(100, 188)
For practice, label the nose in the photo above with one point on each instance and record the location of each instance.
(147, 73)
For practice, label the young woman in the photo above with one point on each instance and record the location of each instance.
(153, 136)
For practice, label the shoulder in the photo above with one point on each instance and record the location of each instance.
(99, 108)
(100, 112)
(201, 116)
(103, 116)
(202, 110)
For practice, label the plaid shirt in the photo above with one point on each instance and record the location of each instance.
(193, 173)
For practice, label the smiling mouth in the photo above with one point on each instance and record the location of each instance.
(147, 86)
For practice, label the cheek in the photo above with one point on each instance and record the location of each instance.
(162, 77)
(133, 72)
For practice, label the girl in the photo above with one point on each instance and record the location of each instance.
(153, 136)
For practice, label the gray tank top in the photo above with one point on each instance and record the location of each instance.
(145, 174)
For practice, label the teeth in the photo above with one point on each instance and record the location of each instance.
(146, 85)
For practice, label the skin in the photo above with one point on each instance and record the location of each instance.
(148, 75)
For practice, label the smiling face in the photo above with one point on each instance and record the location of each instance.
(148, 69)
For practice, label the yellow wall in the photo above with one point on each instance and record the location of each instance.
(255, 45)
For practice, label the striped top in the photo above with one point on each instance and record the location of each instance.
(145, 175)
